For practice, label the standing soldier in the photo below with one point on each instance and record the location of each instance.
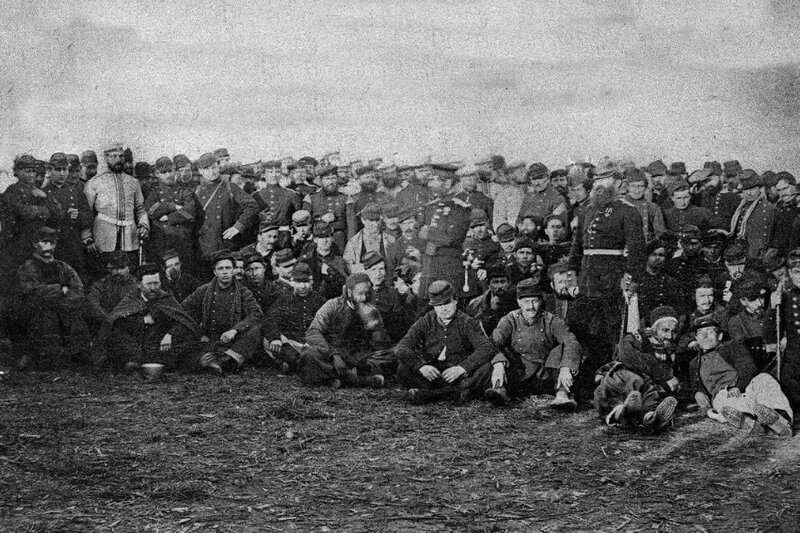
(542, 199)
(331, 206)
(652, 218)
(75, 223)
(29, 208)
(275, 203)
(88, 166)
(752, 220)
(227, 211)
(784, 311)
(609, 241)
(116, 199)
(415, 193)
(446, 226)
(469, 176)
(509, 199)
(171, 209)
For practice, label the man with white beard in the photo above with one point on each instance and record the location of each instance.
(609, 243)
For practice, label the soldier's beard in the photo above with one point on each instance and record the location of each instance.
(117, 168)
(390, 183)
(369, 186)
(603, 196)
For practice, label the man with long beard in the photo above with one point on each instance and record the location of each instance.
(609, 228)
(635, 390)
(116, 198)
(368, 192)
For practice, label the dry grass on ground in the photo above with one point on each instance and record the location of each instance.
(257, 452)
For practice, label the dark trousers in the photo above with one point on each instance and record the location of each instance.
(472, 384)
(316, 366)
(615, 386)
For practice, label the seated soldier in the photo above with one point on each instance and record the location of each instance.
(327, 266)
(289, 317)
(632, 391)
(255, 279)
(745, 326)
(444, 354)
(109, 291)
(726, 383)
(526, 264)
(147, 326)
(538, 352)
(228, 315)
(283, 261)
(344, 338)
(496, 302)
(54, 320)
(267, 242)
(397, 310)
(175, 280)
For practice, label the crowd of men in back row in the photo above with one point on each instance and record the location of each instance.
(488, 279)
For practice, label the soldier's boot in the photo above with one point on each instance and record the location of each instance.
(423, 396)
(564, 402)
(497, 396)
(770, 419)
(663, 414)
(354, 380)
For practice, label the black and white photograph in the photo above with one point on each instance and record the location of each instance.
(399, 266)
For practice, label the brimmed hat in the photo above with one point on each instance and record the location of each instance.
(301, 273)
(477, 218)
(301, 218)
(163, 164)
(46, 234)
(715, 236)
(221, 152)
(284, 257)
(538, 171)
(749, 178)
(750, 289)
(206, 160)
(181, 161)
(705, 321)
(735, 253)
(370, 259)
(678, 168)
(527, 288)
(223, 255)
(440, 292)
(496, 270)
(714, 168)
(656, 168)
(253, 258)
(677, 185)
(525, 243)
(58, 160)
(268, 225)
(169, 254)
(634, 175)
(506, 232)
(731, 168)
(88, 158)
(699, 176)
(321, 229)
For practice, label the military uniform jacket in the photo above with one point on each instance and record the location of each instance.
(677, 219)
(478, 200)
(291, 315)
(118, 203)
(652, 217)
(722, 205)
(542, 204)
(25, 214)
(460, 343)
(416, 197)
(783, 226)
(617, 226)
(544, 343)
(276, 203)
(177, 204)
(328, 331)
(72, 232)
(110, 290)
(754, 223)
(321, 203)
(639, 357)
(659, 289)
(447, 222)
(330, 283)
(728, 366)
(225, 205)
(397, 251)
(240, 312)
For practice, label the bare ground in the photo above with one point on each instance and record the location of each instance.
(258, 452)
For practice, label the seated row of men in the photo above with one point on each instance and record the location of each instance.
(344, 341)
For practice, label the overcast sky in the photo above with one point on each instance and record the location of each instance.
(537, 80)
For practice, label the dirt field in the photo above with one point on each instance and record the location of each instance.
(257, 452)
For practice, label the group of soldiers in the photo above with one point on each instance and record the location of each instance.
(640, 287)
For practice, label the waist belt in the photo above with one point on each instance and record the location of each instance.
(604, 251)
(112, 220)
